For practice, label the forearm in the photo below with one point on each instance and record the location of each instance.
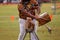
(28, 14)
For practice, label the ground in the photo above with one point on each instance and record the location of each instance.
(9, 29)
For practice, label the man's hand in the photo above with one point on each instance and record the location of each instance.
(37, 17)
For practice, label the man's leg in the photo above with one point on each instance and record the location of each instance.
(22, 30)
(33, 34)
(22, 36)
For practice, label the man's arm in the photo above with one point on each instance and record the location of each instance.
(28, 14)
(35, 6)
(25, 12)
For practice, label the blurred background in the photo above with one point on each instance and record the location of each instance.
(9, 24)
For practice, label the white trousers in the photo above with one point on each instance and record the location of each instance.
(23, 32)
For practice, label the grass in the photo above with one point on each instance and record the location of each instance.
(9, 30)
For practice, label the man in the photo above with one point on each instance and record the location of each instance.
(27, 11)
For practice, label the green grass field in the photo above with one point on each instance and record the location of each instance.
(9, 30)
